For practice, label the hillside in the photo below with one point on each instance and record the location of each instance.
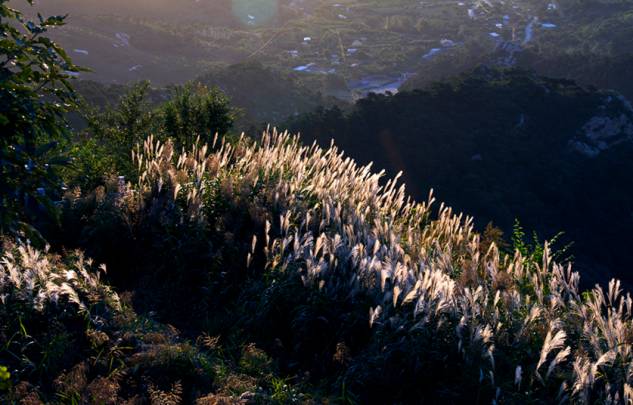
(291, 275)
(266, 95)
(150, 254)
(505, 144)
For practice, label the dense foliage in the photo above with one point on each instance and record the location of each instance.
(194, 113)
(34, 95)
(108, 132)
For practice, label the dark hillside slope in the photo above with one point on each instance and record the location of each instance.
(502, 145)
(265, 95)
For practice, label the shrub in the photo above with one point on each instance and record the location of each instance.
(197, 112)
(65, 335)
(103, 150)
(47, 304)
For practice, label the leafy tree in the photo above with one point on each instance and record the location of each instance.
(111, 135)
(104, 150)
(35, 93)
(197, 111)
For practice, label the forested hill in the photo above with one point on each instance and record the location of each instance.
(506, 144)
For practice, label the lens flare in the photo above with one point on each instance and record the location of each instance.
(255, 12)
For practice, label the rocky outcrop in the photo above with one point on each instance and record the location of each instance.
(611, 126)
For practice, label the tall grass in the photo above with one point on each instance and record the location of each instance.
(516, 327)
(347, 233)
(37, 279)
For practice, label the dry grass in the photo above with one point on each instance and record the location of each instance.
(40, 279)
(347, 233)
